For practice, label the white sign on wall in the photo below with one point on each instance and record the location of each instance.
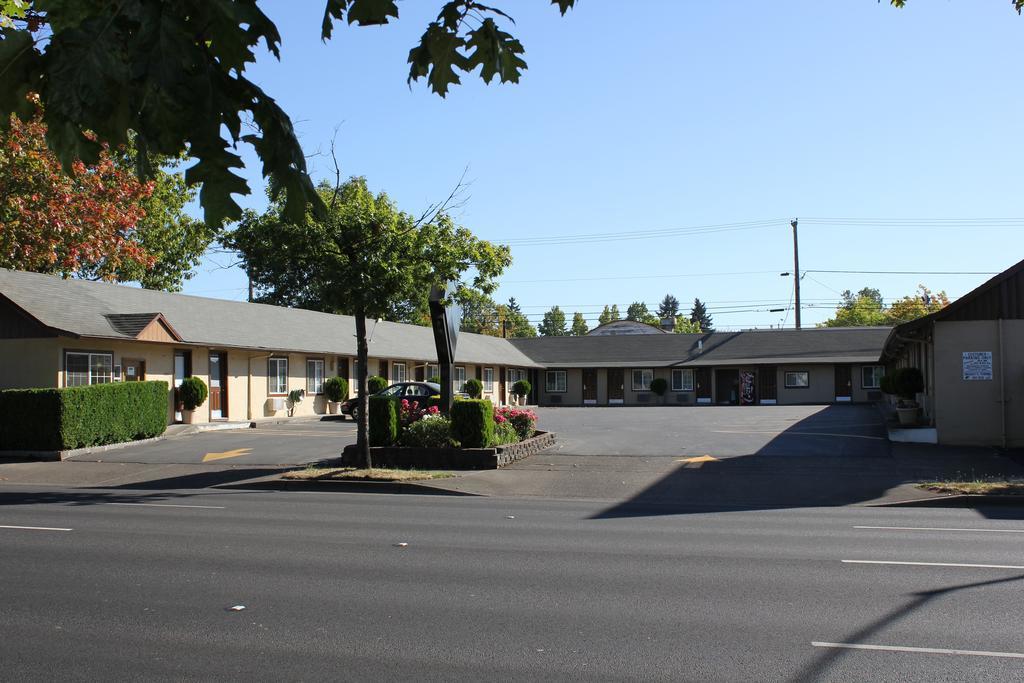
(977, 365)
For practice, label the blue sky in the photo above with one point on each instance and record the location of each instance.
(667, 115)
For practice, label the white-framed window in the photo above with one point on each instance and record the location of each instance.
(489, 380)
(555, 381)
(433, 371)
(277, 376)
(871, 376)
(458, 378)
(642, 379)
(398, 372)
(682, 379)
(798, 379)
(83, 368)
(314, 376)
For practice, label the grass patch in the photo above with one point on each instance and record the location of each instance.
(359, 474)
(1001, 487)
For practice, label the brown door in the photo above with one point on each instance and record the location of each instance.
(702, 380)
(727, 386)
(616, 385)
(844, 383)
(218, 386)
(590, 387)
(767, 384)
(501, 383)
(134, 370)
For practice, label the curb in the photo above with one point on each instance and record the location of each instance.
(407, 487)
(956, 500)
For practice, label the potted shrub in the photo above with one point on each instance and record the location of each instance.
(336, 390)
(658, 387)
(193, 393)
(907, 383)
(521, 390)
(376, 384)
(294, 398)
(474, 387)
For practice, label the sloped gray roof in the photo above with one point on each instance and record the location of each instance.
(752, 347)
(88, 309)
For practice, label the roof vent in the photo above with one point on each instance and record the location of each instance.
(700, 346)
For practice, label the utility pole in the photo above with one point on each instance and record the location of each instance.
(796, 272)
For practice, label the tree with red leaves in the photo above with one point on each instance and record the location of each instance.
(64, 223)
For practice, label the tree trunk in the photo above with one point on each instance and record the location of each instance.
(362, 361)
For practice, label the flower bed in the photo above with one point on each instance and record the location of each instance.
(422, 437)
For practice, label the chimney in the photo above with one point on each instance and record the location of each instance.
(668, 324)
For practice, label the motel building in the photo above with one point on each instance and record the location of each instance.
(60, 333)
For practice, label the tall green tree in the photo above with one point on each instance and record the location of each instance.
(579, 325)
(358, 258)
(686, 326)
(553, 324)
(516, 322)
(638, 312)
(867, 308)
(173, 74)
(669, 307)
(699, 315)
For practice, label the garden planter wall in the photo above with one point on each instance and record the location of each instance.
(450, 458)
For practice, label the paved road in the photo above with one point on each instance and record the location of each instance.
(497, 589)
(297, 443)
(720, 431)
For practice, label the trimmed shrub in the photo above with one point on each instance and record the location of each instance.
(193, 392)
(432, 431)
(336, 389)
(383, 420)
(907, 382)
(504, 433)
(474, 387)
(375, 384)
(76, 417)
(885, 384)
(473, 423)
(522, 388)
(659, 386)
(434, 379)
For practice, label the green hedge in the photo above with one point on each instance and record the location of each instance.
(76, 417)
(376, 384)
(473, 423)
(383, 420)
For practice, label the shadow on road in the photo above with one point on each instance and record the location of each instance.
(817, 669)
(820, 461)
(86, 497)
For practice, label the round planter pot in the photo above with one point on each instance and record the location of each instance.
(332, 407)
(188, 417)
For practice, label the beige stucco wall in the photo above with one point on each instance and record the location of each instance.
(29, 363)
(969, 412)
(573, 395)
(822, 387)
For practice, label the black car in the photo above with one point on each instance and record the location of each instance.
(413, 391)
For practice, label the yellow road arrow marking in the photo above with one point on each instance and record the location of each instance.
(234, 453)
(698, 461)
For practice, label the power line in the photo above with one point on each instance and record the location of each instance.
(624, 235)
(905, 272)
(639, 277)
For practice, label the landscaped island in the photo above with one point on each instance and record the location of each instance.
(476, 435)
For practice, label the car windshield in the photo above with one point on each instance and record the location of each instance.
(392, 390)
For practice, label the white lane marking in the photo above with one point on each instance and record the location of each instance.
(936, 564)
(788, 433)
(34, 528)
(939, 528)
(922, 650)
(168, 505)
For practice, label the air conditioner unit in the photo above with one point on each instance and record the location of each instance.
(276, 403)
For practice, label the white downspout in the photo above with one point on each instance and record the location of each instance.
(1002, 381)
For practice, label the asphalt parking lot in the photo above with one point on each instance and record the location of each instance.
(296, 443)
(719, 431)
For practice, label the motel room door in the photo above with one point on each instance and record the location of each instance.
(616, 386)
(590, 387)
(218, 385)
(844, 384)
(702, 380)
(134, 370)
